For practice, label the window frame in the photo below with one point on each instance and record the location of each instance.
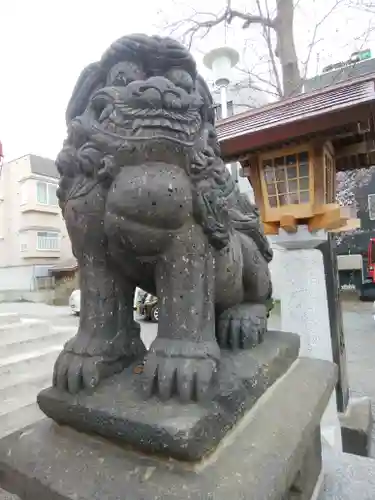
(47, 233)
(48, 186)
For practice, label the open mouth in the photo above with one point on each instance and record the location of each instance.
(144, 124)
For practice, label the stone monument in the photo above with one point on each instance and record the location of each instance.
(218, 406)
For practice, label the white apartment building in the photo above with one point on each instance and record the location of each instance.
(33, 237)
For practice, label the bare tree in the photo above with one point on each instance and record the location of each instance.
(286, 73)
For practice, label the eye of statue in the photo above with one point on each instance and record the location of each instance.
(181, 78)
(125, 72)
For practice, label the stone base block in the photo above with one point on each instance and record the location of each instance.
(273, 453)
(347, 477)
(4, 495)
(356, 427)
(117, 409)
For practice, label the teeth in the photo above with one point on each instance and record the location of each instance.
(165, 123)
(137, 123)
(178, 126)
(105, 113)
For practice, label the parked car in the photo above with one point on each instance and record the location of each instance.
(75, 300)
(147, 307)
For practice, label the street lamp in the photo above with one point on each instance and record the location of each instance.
(221, 61)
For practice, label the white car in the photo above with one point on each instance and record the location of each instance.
(75, 301)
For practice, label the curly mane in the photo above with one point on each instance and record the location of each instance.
(88, 157)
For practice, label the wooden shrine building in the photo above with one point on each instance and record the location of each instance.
(290, 151)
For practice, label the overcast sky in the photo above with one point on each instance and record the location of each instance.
(44, 44)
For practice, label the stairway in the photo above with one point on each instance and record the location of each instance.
(28, 350)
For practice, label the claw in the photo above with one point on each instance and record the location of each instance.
(62, 366)
(188, 379)
(166, 380)
(223, 331)
(202, 381)
(242, 326)
(74, 375)
(234, 340)
(90, 374)
(185, 374)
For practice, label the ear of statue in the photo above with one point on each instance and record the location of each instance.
(91, 79)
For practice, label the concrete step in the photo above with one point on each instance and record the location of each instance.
(17, 332)
(23, 394)
(26, 367)
(17, 419)
(9, 318)
(34, 344)
(347, 477)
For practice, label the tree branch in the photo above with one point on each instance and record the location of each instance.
(314, 41)
(227, 17)
(271, 53)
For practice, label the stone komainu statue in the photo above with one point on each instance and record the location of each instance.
(148, 202)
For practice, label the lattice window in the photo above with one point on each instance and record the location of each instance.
(287, 179)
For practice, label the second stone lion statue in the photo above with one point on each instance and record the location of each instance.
(148, 202)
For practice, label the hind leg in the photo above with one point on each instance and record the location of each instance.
(108, 338)
(242, 326)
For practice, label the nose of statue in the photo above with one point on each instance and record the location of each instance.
(156, 92)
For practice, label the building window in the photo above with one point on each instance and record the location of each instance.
(46, 193)
(23, 242)
(371, 206)
(218, 110)
(48, 240)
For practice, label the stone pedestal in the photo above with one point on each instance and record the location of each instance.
(118, 410)
(273, 453)
(356, 427)
(304, 307)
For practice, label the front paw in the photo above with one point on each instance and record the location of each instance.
(76, 372)
(86, 360)
(180, 368)
(242, 326)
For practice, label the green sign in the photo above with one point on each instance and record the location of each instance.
(361, 55)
